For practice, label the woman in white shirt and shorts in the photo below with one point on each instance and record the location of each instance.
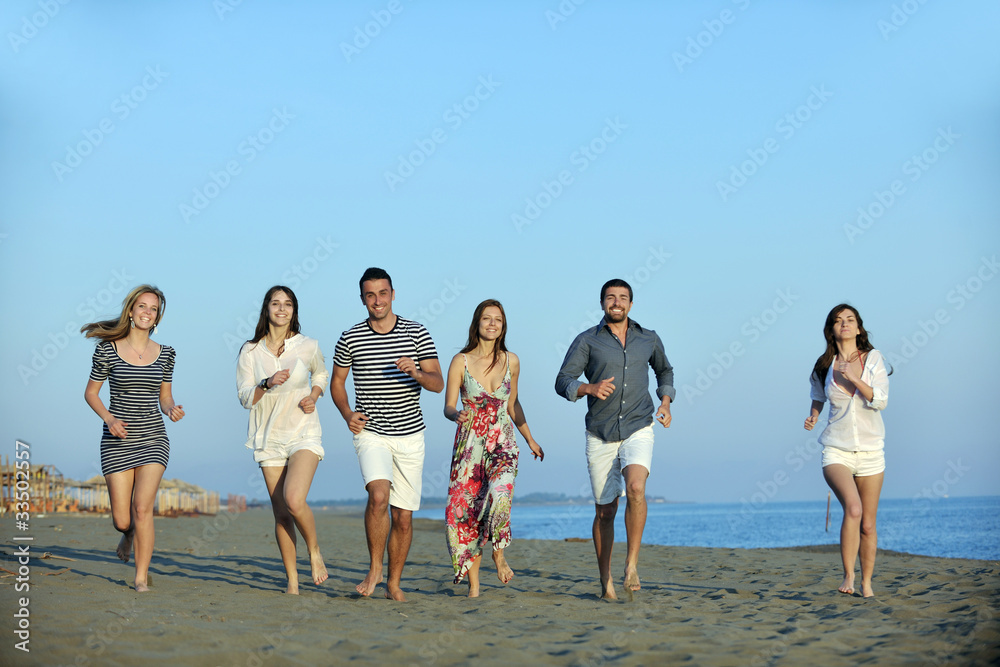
(852, 375)
(279, 377)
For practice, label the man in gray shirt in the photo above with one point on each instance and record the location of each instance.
(614, 356)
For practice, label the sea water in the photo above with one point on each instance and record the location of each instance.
(963, 527)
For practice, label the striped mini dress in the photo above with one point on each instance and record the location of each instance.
(135, 399)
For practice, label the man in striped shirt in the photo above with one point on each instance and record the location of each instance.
(393, 359)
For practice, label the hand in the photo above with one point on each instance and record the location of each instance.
(116, 427)
(357, 422)
(278, 378)
(462, 416)
(663, 415)
(536, 451)
(407, 365)
(176, 413)
(603, 389)
(307, 405)
(810, 422)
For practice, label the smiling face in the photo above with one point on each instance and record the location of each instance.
(146, 311)
(491, 324)
(280, 309)
(616, 304)
(378, 296)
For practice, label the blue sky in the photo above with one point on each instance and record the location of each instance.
(746, 165)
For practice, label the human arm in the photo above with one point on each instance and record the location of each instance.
(247, 385)
(664, 373)
(91, 394)
(167, 405)
(453, 391)
(319, 376)
(814, 410)
(517, 412)
(876, 394)
(568, 384)
(818, 395)
(338, 392)
(427, 376)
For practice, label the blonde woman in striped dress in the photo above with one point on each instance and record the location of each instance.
(134, 446)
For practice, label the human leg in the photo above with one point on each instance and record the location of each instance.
(473, 574)
(604, 539)
(298, 478)
(376, 532)
(635, 521)
(841, 481)
(284, 524)
(147, 481)
(120, 493)
(869, 489)
(501, 471)
(400, 537)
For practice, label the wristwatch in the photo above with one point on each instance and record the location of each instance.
(263, 384)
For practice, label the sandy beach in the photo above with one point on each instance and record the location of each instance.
(217, 600)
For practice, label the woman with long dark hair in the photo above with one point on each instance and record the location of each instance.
(484, 461)
(134, 445)
(852, 375)
(279, 377)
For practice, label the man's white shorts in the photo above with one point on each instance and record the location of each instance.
(861, 464)
(605, 461)
(399, 459)
(275, 455)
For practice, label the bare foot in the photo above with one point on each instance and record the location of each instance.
(608, 591)
(866, 590)
(293, 587)
(473, 590)
(367, 587)
(125, 546)
(847, 587)
(318, 568)
(504, 573)
(631, 582)
(141, 587)
(393, 592)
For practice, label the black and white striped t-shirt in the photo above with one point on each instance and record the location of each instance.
(387, 396)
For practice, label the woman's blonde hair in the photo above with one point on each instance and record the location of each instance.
(111, 330)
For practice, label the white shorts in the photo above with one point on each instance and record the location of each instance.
(399, 459)
(606, 460)
(274, 455)
(861, 464)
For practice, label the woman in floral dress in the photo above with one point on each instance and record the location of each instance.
(484, 461)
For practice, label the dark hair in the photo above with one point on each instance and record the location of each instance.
(118, 328)
(263, 322)
(372, 273)
(616, 282)
(500, 345)
(826, 359)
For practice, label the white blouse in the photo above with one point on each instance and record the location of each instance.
(855, 424)
(277, 417)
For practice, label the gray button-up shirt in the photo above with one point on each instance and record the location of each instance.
(599, 354)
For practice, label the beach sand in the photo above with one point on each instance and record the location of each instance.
(217, 600)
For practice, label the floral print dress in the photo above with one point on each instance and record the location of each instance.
(483, 468)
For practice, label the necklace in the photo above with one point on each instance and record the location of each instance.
(277, 352)
(137, 351)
